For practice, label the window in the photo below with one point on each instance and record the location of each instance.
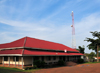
(17, 58)
(64, 58)
(54, 57)
(5, 58)
(42, 58)
(36, 58)
(60, 57)
(48, 58)
(67, 58)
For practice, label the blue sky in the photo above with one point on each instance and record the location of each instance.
(49, 20)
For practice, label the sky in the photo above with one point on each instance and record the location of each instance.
(49, 20)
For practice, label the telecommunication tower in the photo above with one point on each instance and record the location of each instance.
(73, 32)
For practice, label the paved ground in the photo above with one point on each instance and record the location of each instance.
(82, 68)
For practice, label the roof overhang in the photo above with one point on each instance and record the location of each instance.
(10, 54)
(24, 52)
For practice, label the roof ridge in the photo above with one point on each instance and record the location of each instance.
(22, 51)
(25, 41)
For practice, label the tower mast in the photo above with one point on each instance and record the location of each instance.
(73, 32)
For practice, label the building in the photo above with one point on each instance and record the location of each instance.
(95, 59)
(24, 51)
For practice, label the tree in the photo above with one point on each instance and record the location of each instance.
(78, 49)
(81, 49)
(91, 56)
(94, 42)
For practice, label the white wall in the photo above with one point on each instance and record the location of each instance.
(13, 62)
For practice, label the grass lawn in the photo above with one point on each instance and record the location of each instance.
(14, 70)
(91, 62)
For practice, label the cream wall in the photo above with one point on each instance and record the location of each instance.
(13, 62)
(28, 60)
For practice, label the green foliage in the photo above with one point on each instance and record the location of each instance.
(94, 41)
(39, 64)
(81, 49)
(9, 70)
(15, 70)
(28, 68)
(78, 49)
(61, 63)
(35, 66)
(80, 61)
(91, 55)
(91, 62)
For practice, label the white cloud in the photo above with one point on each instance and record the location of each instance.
(61, 34)
(83, 28)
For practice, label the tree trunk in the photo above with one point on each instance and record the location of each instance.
(97, 53)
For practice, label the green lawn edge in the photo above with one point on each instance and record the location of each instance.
(10, 70)
(90, 62)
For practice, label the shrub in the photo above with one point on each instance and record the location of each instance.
(80, 61)
(42, 64)
(35, 67)
(61, 63)
(28, 68)
(39, 64)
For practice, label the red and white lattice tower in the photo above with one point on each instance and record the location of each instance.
(73, 32)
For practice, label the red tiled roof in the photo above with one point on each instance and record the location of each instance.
(17, 43)
(98, 57)
(36, 43)
(30, 52)
(17, 51)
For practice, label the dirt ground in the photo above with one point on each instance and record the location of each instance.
(81, 68)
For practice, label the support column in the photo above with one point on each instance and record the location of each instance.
(15, 61)
(9, 60)
(3, 61)
(76, 58)
(22, 62)
(18, 60)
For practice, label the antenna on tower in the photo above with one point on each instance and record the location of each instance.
(73, 32)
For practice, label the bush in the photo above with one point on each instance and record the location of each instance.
(42, 64)
(35, 67)
(28, 68)
(39, 64)
(80, 61)
(61, 63)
